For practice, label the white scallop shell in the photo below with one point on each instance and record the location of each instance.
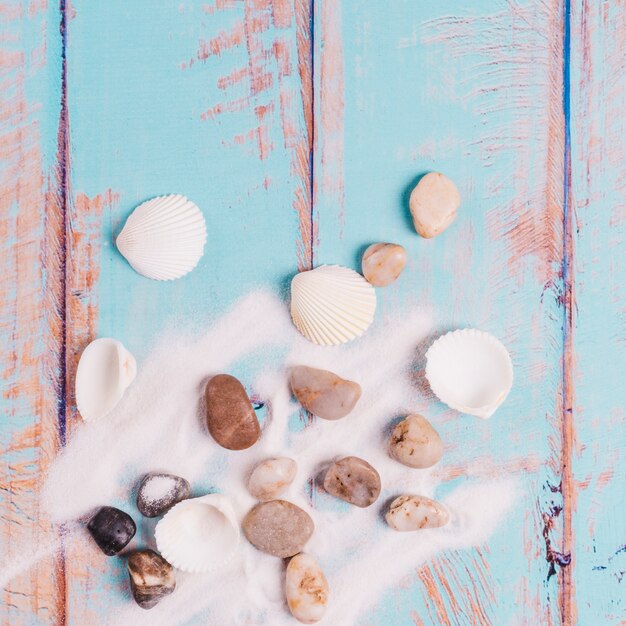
(105, 370)
(200, 534)
(470, 371)
(331, 304)
(163, 238)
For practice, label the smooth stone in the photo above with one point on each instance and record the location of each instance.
(434, 203)
(230, 417)
(151, 577)
(158, 493)
(353, 480)
(416, 512)
(382, 263)
(414, 442)
(323, 393)
(278, 527)
(111, 529)
(271, 477)
(306, 589)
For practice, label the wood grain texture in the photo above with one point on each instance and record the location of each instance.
(598, 216)
(31, 258)
(475, 92)
(300, 127)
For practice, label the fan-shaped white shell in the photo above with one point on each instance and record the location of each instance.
(163, 238)
(470, 371)
(200, 534)
(331, 304)
(105, 370)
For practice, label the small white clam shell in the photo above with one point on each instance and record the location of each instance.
(331, 305)
(200, 534)
(163, 238)
(470, 371)
(105, 370)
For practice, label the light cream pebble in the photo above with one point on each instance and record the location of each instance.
(323, 393)
(306, 589)
(434, 203)
(415, 443)
(416, 512)
(382, 263)
(271, 477)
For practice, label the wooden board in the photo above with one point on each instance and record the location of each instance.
(300, 127)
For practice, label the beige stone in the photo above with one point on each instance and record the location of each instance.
(416, 512)
(415, 443)
(353, 480)
(382, 263)
(434, 203)
(271, 477)
(278, 527)
(323, 393)
(306, 589)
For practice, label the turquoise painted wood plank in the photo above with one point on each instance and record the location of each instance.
(204, 99)
(31, 239)
(475, 92)
(598, 271)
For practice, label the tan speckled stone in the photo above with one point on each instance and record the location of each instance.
(278, 527)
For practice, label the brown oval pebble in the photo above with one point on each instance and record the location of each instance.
(434, 203)
(151, 577)
(353, 480)
(415, 443)
(382, 263)
(416, 512)
(278, 527)
(323, 393)
(229, 414)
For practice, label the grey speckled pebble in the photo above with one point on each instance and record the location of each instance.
(158, 493)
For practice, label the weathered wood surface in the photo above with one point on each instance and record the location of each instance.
(300, 127)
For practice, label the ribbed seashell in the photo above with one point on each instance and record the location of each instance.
(199, 535)
(163, 238)
(470, 371)
(105, 370)
(331, 305)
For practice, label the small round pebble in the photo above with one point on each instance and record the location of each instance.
(416, 512)
(415, 443)
(434, 203)
(278, 527)
(111, 529)
(354, 480)
(306, 589)
(382, 263)
(271, 477)
(158, 493)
